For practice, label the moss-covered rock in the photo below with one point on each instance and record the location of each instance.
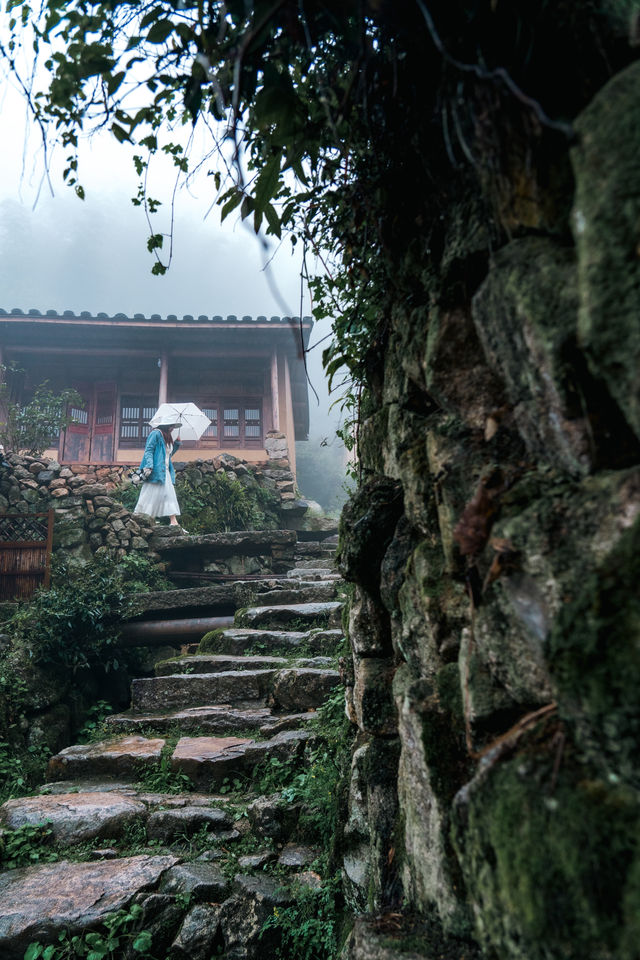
(546, 848)
(433, 766)
(594, 654)
(525, 314)
(605, 224)
(366, 528)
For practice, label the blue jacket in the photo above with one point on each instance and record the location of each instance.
(155, 454)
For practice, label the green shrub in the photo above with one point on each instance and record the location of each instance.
(127, 494)
(216, 503)
(309, 927)
(140, 574)
(117, 934)
(220, 503)
(76, 623)
(21, 769)
(31, 427)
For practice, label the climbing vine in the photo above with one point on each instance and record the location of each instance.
(351, 126)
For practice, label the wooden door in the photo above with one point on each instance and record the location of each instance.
(77, 436)
(104, 423)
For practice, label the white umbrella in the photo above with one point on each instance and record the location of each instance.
(190, 420)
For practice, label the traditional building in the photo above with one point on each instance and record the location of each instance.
(246, 373)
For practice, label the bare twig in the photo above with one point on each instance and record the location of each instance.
(499, 73)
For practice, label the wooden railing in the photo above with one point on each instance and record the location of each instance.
(26, 540)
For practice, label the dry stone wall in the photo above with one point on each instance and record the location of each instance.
(493, 554)
(89, 520)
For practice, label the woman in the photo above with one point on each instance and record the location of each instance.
(158, 495)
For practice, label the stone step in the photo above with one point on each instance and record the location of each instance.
(207, 760)
(323, 615)
(315, 549)
(240, 543)
(298, 592)
(219, 720)
(291, 689)
(79, 817)
(313, 573)
(187, 909)
(197, 601)
(201, 689)
(223, 663)
(124, 759)
(216, 663)
(314, 563)
(217, 598)
(237, 642)
(39, 903)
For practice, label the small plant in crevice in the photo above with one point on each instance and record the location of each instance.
(116, 935)
(309, 927)
(26, 846)
(94, 727)
(21, 769)
(160, 778)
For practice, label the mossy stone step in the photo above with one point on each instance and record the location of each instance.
(238, 641)
(221, 663)
(201, 689)
(325, 614)
(204, 600)
(215, 720)
(299, 592)
(209, 760)
(315, 548)
(204, 759)
(216, 663)
(314, 563)
(313, 573)
(74, 817)
(292, 688)
(91, 815)
(215, 546)
(124, 758)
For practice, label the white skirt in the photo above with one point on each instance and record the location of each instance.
(158, 499)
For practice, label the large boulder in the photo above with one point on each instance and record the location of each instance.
(605, 220)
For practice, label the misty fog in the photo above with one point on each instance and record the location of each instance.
(59, 252)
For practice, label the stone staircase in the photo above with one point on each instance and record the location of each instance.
(193, 861)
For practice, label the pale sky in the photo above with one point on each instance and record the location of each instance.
(58, 252)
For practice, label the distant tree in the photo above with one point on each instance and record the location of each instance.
(31, 427)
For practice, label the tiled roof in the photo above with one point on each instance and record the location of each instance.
(153, 318)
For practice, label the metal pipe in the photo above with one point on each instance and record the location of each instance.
(147, 632)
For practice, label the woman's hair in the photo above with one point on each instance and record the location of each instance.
(166, 432)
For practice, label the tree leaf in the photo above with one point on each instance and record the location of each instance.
(142, 942)
(160, 31)
(231, 204)
(120, 133)
(267, 182)
(273, 220)
(33, 951)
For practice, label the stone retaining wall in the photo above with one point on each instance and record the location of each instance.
(90, 521)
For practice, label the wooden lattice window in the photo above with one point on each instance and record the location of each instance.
(135, 413)
(234, 423)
